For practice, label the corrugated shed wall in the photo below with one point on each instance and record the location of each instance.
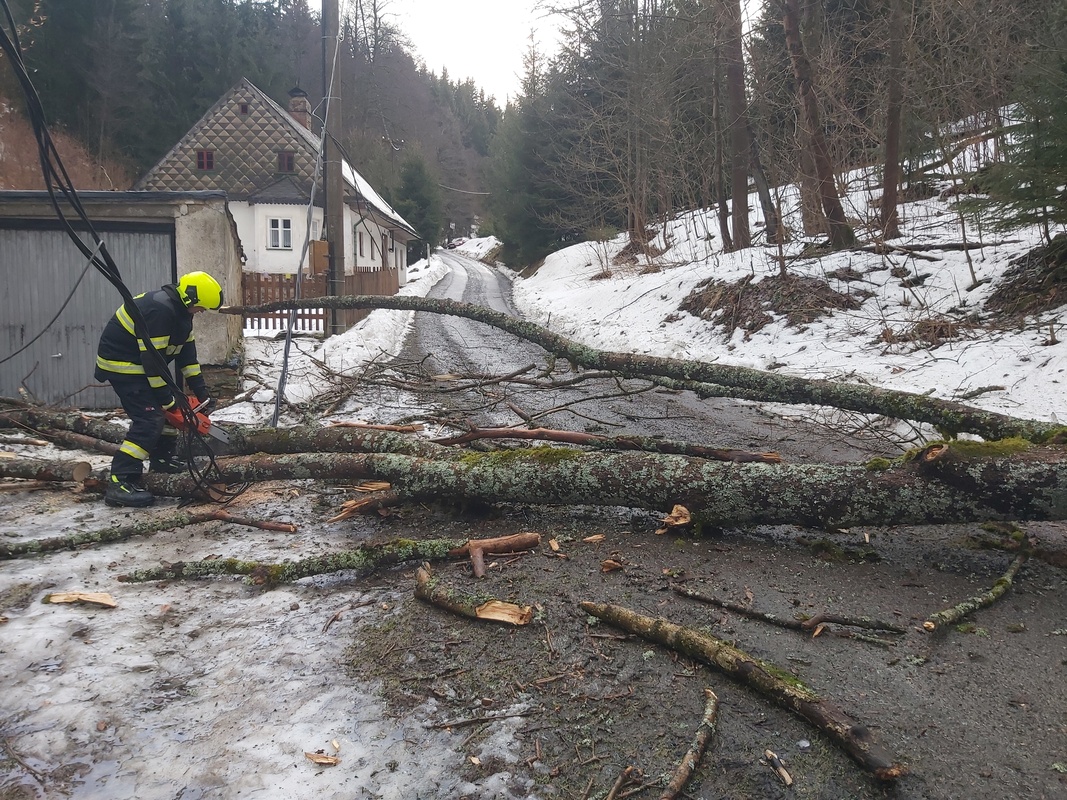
(39, 267)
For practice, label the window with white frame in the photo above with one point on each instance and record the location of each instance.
(279, 234)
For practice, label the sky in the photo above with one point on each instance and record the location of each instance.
(441, 34)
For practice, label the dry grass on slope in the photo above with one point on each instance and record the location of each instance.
(20, 168)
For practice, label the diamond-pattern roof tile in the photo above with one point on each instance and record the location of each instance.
(245, 149)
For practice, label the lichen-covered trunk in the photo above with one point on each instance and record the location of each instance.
(1030, 486)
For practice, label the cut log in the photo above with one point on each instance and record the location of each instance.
(950, 616)
(943, 414)
(37, 470)
(80, 441)
(773, 682)
(428, 589)
(705, 730)
(36, 419)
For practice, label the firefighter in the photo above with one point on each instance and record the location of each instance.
(138, 380)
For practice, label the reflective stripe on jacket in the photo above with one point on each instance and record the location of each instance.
(170, 333)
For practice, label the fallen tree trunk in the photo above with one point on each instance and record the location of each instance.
(365, 560)
(430, 590)
(784, 688)
(1026, 486)
(949, 616)
(945, 415)
(119, 533)
(35, 469)
(642, 443)
(75, 429)
(244, 439)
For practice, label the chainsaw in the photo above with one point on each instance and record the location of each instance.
(204, 425)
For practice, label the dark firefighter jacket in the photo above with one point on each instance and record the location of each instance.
(170, 331)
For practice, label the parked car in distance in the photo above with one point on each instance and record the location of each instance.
(452, 245)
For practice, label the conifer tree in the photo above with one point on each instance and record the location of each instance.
(419, 202)
(1030, 186)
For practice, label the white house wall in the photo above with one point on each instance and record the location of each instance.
(253, 228)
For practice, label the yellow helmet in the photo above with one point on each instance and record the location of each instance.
(200, 289)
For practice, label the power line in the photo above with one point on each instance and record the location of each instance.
(56, 180)
(463, 191)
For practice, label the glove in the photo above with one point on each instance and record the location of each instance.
(207, 405)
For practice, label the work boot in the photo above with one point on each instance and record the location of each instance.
(124, 492)
(170, 464)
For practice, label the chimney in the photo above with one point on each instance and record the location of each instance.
(299, 107)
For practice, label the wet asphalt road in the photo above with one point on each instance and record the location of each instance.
(454, 346)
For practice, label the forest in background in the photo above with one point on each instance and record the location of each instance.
(656, 106)
(128, 78)
(649, 108)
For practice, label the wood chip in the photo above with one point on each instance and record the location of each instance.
(610, 565)
(322, 759)
(777, 765)
(596, 537)
(678, 518)
(500, 611)
(554, 545)
(373, 486)
(93, 598)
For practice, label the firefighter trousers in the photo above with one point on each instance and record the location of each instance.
(149, 437)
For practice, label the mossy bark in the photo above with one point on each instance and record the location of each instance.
(1027, 486)
(119, 533)
(365, 560)
(430, 590)
(765, 386)
(777, 684)
(950, 616)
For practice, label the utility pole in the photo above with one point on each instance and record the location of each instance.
(333, 177)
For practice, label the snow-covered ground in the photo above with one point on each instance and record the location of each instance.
(636, 310)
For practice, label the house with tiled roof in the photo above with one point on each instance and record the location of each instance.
(264, 157)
